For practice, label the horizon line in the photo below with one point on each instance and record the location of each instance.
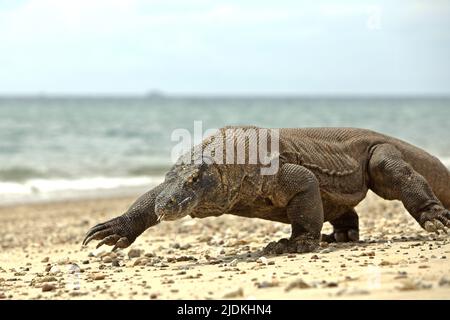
(194, 95)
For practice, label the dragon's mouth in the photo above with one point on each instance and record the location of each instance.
(184, 204)
(183, 208)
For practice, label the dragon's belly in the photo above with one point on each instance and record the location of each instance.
(261, 208)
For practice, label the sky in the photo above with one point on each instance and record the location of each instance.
(281, 47)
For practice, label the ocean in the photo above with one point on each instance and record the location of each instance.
(69, 147)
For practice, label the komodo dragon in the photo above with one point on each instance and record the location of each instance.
(323, 174)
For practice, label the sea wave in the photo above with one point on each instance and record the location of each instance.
(60, 189)
(20, 174)
(24, 190)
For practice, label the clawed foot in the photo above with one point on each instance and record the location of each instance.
(436, 219)
(299, 245)
(348, 235)
(114, 232)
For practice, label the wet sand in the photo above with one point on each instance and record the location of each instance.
(41, 258)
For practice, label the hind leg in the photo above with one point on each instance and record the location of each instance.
(393, 178)
(345, 228)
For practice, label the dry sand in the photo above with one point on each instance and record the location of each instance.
(41, 258)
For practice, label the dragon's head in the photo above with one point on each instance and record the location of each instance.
(186, 186)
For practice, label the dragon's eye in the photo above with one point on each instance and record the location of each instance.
(193, 178)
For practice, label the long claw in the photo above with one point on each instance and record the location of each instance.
(98, 235)
(92, 231)
(439, 225)
(430, 227)
(121, 243)
(109, 240)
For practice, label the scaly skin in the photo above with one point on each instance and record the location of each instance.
(323, 174)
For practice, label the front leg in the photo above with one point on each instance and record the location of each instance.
(121, 231)
(304, 210)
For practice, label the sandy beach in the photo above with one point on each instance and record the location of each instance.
(41, 258)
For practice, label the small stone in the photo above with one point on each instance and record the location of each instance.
(267, 284)
(97, 276)
(97, 252)
(134, 253)
(444, 282)
(107, 259)
(185, 246)
(352, 292)
(47, 279)
(46, 259)
(115, 263)
(154, 296)
(54, 270)
(262, 260)
(233, 263)
(234, 294)
(48, 287)
(141, 261)
(331, 284)
(297, 284)
(410, 285)
(149, 255)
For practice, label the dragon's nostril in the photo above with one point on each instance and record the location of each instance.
(171, 201)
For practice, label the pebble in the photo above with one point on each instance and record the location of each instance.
(410, 285)
(331, 284)
(97, 276)
(386, 263)
(234, 294)
(46, 279)
(97, 252)
(141, 261)
(262, 260)
(46, 259)
(297, 284)
(115, 263)
(185, 246)
(444, 282)
(352, 292)
(54, 270)
(233, 263)
(48, 287)
(267, 284)
(134, 253)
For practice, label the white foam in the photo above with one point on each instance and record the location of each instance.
(53, 189)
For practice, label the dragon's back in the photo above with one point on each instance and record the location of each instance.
(331, 151)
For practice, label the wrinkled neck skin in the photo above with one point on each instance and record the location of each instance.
(227, 192)
(215, 199)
